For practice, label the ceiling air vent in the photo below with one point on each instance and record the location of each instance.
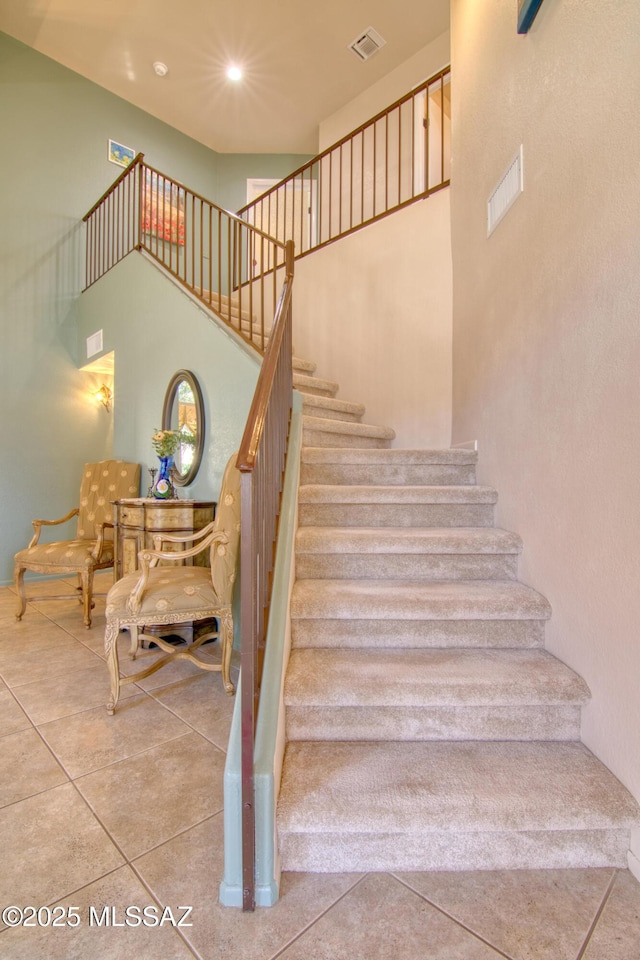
(367, 44)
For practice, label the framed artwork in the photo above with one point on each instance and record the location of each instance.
(163, 208)
(120, 154)
(527, 10)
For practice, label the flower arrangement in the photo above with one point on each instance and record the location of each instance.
(165, 442)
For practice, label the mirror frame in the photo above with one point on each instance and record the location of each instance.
(184, 479)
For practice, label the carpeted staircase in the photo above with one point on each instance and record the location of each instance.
(427, 727)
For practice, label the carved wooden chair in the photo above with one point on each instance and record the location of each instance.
(92, 548)
(161, 595)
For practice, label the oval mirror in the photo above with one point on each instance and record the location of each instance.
(183, 411)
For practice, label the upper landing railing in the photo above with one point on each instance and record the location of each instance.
(202, 246)
(399, 156)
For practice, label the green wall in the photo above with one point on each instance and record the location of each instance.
(154, 330)
(234, 169)
(53, 166)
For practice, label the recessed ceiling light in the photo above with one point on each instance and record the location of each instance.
(161, 68)
(234, 73)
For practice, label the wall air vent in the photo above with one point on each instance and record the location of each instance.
(94, 344)
(367, 44)
(506, 193)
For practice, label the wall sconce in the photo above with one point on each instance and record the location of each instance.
(104, 396)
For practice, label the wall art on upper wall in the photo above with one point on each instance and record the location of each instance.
(120, 154)
(527, 10)
(163, 203)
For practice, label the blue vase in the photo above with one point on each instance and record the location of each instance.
(163, 486)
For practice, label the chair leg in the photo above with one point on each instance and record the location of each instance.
(18, 579)
(87, 591)
(135, 641)
(111, 653)
(226, 635)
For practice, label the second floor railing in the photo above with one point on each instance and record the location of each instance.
(208, 250)
(399, 156)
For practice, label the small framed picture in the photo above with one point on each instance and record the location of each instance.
(120, 154)
(527, 10)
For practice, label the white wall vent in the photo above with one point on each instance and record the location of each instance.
(506, 193)
(94, 344)
(367, 44)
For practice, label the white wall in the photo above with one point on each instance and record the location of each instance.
(386, 91)
(373, 311)
(546, 325)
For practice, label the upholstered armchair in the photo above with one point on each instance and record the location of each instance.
(158, 595)
(92, 548)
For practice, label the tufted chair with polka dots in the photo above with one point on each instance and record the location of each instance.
(92, 548)
(159, 595)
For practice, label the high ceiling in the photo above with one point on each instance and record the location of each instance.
(297, 68)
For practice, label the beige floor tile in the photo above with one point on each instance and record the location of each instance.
(178, 670)
(73, 625)
(7, 605)
(12, 717)
(93, 638)
(52, 660)
(171, 673)
(119, 890)
(149, 798)
(201, 702)
(27, 767)
(382, 919)
(617, 933)
(55, 697)
(59, 610)
(51, 845)
(188, 869)
(48, 588)
(28, 635)
(529, 914)
(92, 739)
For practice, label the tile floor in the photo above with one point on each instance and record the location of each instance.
(99, 811)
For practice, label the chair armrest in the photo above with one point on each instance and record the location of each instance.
(96, 553)
(183, 537)
(38, 524)
(150, 558)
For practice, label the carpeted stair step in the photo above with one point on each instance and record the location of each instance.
(354, 505)
(318, 432)
(387, 467)
(303, 366)
(431, 695)
(315, 385)
(469, 805)
(331, 409)
(449, 553)
(414, 613)
(222, 303)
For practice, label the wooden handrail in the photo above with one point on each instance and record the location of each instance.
(198, 196)
(229, 265)
(261, 460)
(394, 159)
(257, 412)
(349, 136)
(139, 157)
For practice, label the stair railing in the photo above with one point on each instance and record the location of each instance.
(209, 251)
(261, 460)
(399, 156)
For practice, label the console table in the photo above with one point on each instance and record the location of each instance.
(138, 520)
